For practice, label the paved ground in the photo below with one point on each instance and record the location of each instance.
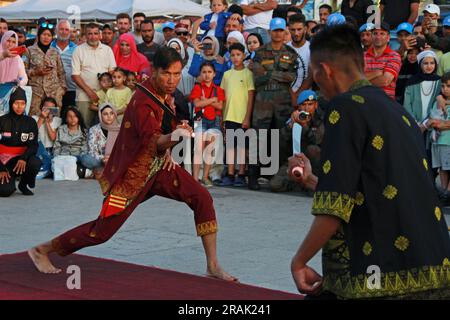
(259, 231)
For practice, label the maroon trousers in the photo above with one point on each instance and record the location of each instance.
(176, 184)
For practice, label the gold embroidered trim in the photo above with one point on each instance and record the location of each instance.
(402, 243)
(358, 99)
(438, 213)
(333, 203)
(367, 248)
(359, 199)
(390, 192)
(425, 164)
(327, 167)
(206, 228)
(378, 143)
(392, 283)
(406, 120)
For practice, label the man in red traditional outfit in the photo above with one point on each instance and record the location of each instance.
(140, 166)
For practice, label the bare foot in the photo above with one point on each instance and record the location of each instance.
(218, 273)
(42, 262)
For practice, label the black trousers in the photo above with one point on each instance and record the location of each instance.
(28, 177)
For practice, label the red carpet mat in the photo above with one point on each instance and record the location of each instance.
(112, 280)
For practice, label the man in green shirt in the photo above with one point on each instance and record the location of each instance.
(377, 215)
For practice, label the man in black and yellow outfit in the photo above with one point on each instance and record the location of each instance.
(377, 216)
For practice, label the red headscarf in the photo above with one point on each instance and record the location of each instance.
(135, 62)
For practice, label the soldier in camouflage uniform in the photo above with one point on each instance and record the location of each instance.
(274, 71)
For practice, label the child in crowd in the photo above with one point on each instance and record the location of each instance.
(105, 80)
(240, 90)
(214, 23)
(441, 146)
(48, 123)
(119, 95)
(208, 103)
(131, 81)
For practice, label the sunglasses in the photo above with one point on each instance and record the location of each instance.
(182, 33)
(47, 25)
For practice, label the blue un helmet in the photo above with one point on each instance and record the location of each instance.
(367, 27)
(446, 22)
(306, 95)
(335, 19)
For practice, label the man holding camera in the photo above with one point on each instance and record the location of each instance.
(435, 37)
(310, 117)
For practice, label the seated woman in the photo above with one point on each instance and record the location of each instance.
(18, 147)
(101, 138)
(48, 123)
(71, 139)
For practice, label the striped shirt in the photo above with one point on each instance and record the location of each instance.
(388, 61)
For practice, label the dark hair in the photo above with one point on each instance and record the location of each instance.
(92, 25)
(317, 28)
(107, 26)
(258, 36)
(48, 99)
(123, 16)
(445, 77)
(123, 71)
(3, 20)
(336, 43)
(165, 56)
(20, 30)
(311, 21)
(234, 8)
(294, 9)
(104, 74)
(326, 6)
(147, 21)
(236, 46)
(78, 115)
(139, 14)
(350, 20)
(208, 64)
(297, 18)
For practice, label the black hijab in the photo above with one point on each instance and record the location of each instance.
(41, 30)
(18, 94)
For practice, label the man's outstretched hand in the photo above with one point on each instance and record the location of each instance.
(300, 160)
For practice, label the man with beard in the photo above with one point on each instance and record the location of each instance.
(141, 167)
(148, 47)
(298, 29)
(86, 67)
(138, 17)
(66, 49)
(123, 21)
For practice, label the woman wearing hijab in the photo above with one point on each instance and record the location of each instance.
(12, 69)
(409, 68)
(234, 37)
(45, 69)
(421, 93)
(128, 57)
(101, 138)
(18, 147)
(208, 50)
(187, 81)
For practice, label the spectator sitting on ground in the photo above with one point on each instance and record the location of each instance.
(71, 138)
(48, 123)
(12, 69)
(99, 137)
(208, 50)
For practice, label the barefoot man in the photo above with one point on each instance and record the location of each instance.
(140, 166)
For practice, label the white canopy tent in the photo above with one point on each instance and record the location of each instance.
(98, 9)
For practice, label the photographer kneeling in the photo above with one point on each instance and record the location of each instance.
(310, 117)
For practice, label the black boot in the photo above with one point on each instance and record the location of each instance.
(24, 189)
(253, 175)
